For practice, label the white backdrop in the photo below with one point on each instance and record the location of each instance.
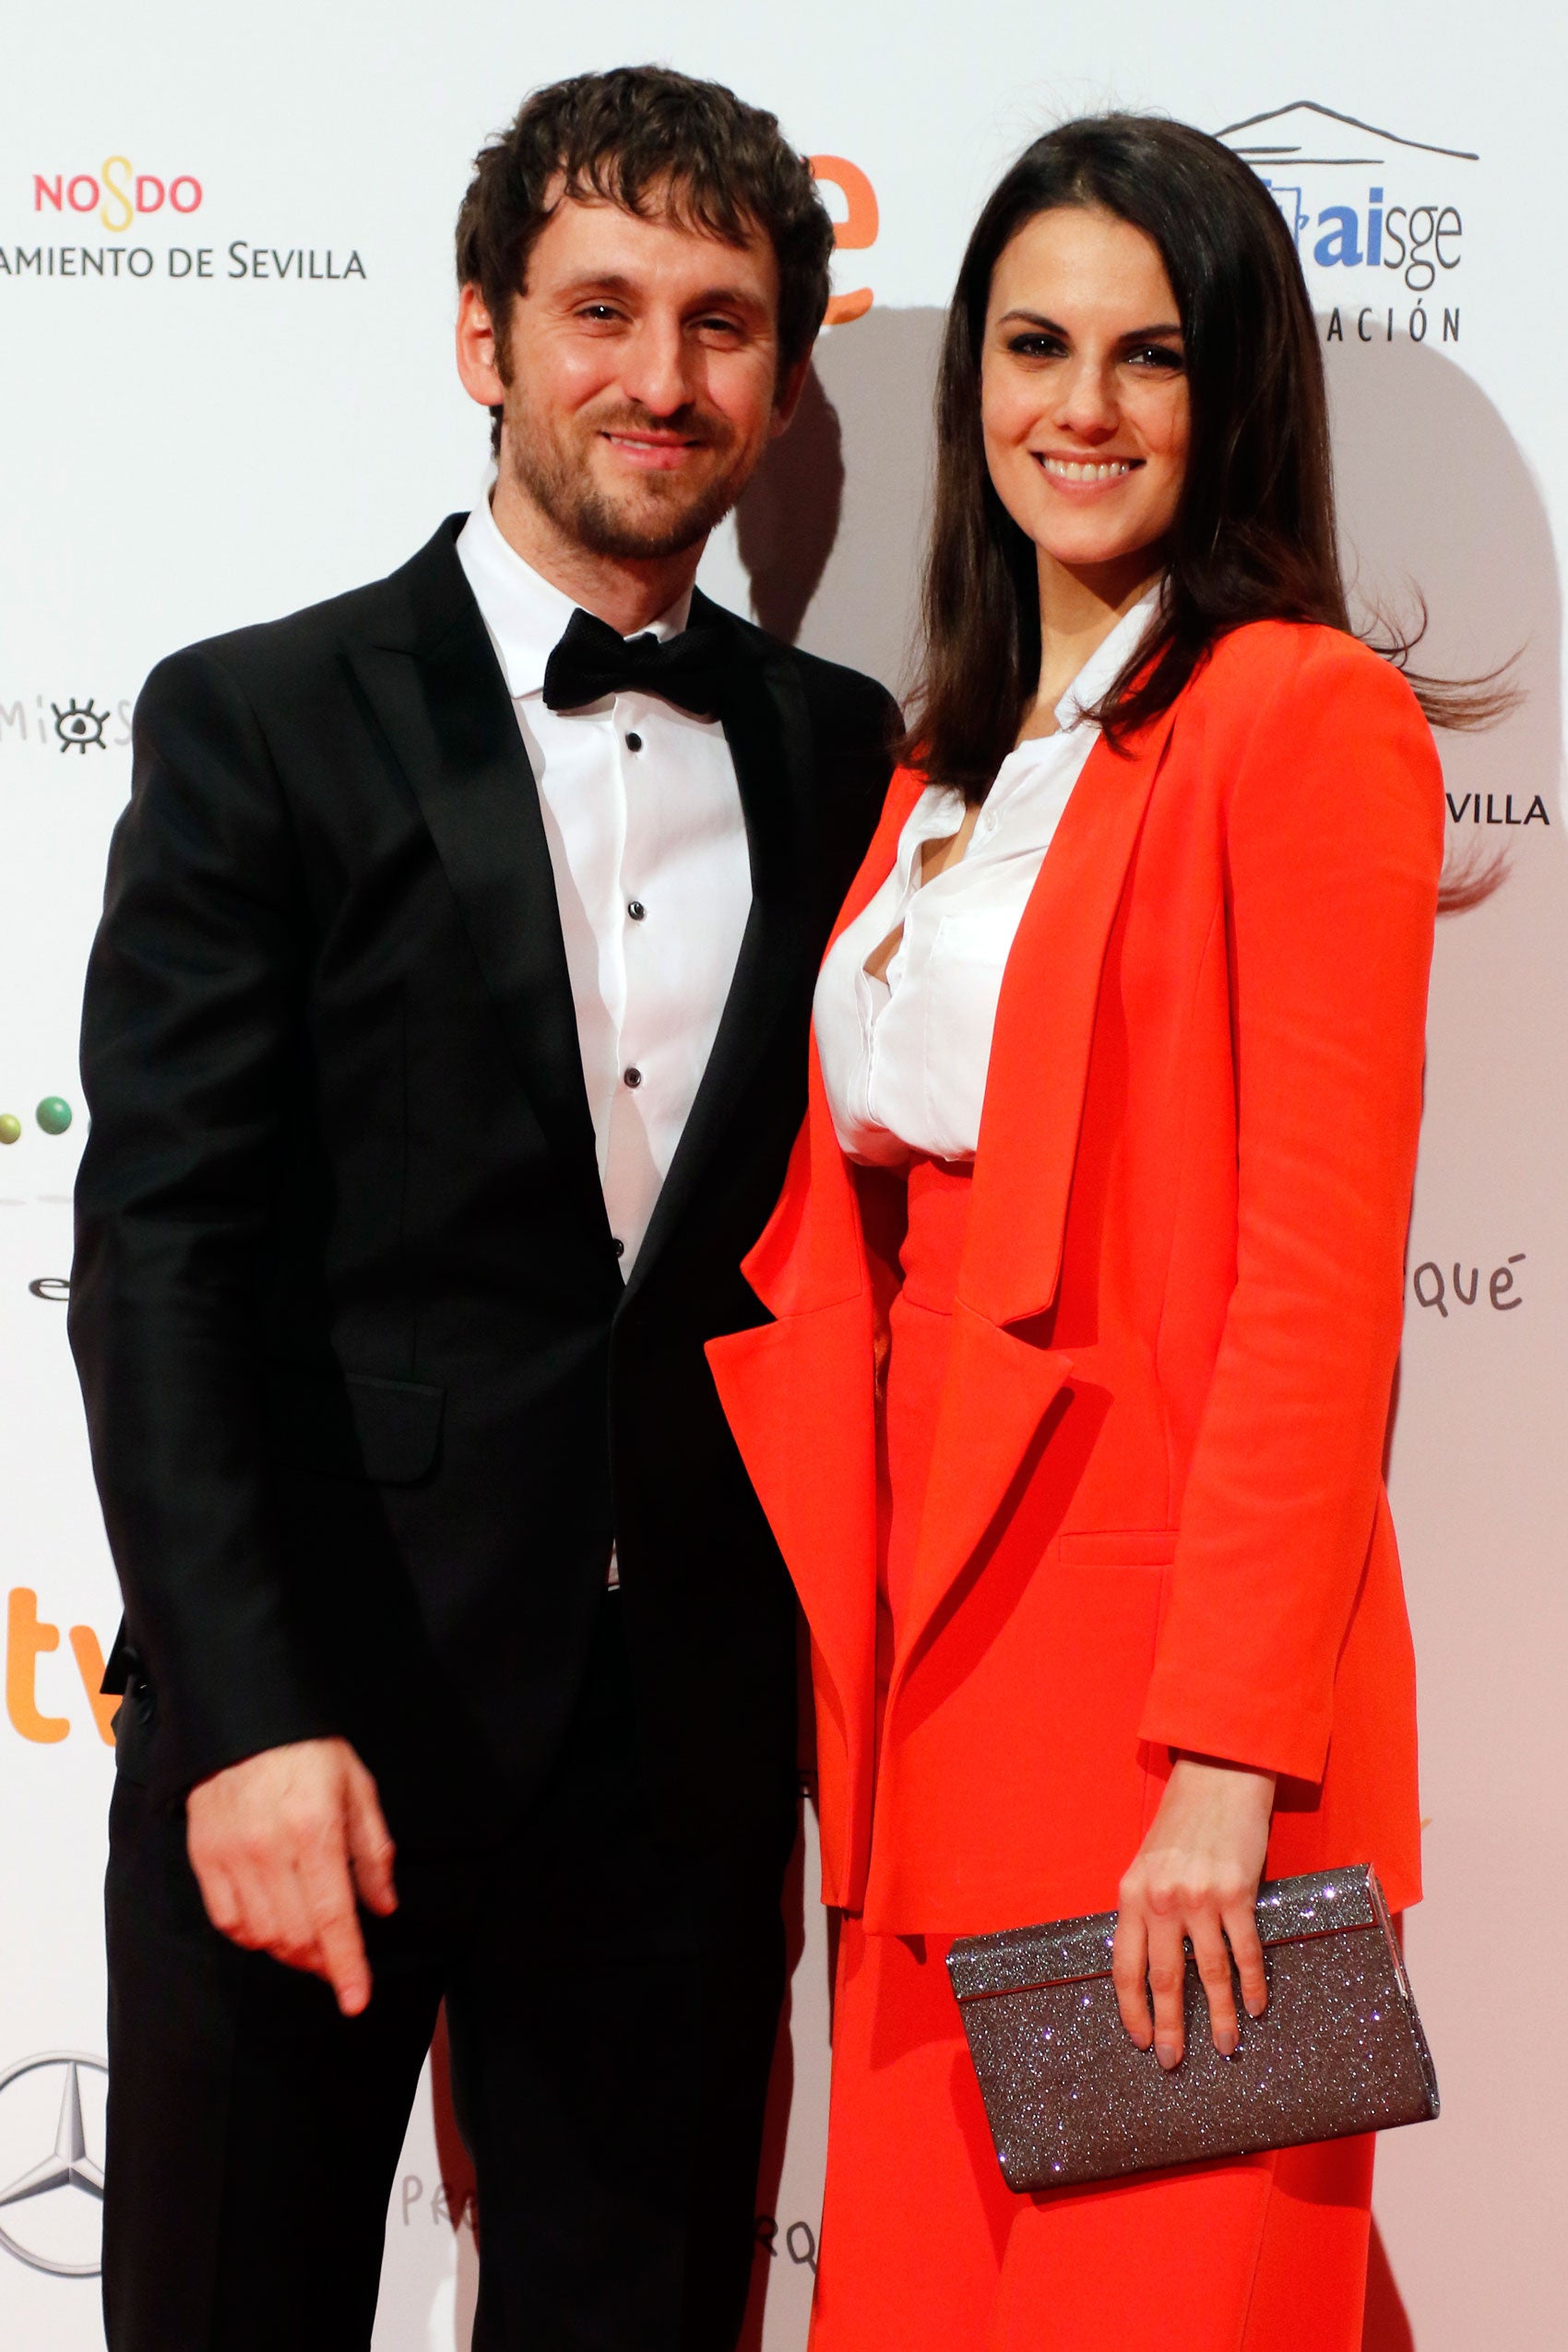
(249, 403)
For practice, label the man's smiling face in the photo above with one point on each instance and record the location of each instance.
(642, 377)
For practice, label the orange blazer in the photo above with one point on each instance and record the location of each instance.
(1155, 1515)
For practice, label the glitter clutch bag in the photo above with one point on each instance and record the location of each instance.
(1070, 2097)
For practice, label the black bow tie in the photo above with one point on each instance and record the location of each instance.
(592, 661)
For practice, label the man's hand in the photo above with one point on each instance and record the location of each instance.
(1194, 1878)
(279, 1845)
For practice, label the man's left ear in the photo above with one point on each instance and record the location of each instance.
(790, 390)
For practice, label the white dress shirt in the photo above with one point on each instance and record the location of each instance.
(648, 845)
(904, 1059)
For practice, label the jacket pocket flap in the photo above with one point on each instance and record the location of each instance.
(354, 1425)
(1116, 1547)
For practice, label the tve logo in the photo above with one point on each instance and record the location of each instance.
(117, 192)
(1360, 200)
(853, 232)
(28, 1638)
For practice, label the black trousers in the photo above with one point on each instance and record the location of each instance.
(612, 2026)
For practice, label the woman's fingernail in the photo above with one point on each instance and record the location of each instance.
(1226, 2044)
(1168, 2054)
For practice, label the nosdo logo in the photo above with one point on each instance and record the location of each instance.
(155, 207)
(117, 192)
(1357, 198)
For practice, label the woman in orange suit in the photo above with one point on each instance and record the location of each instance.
(1086, 1280)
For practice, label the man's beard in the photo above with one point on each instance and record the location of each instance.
(559, 482)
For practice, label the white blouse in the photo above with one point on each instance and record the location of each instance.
(904, 1059)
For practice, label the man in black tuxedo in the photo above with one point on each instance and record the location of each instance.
(446, 1040)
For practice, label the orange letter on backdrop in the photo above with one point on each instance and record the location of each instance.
(25, 1636)
(90, 1662)
(854, 232)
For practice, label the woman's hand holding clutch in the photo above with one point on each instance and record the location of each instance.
(1194, 1879)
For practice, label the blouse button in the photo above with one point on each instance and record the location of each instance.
(634, 743)
(635, 908)
(989, 822)
(634, 1077)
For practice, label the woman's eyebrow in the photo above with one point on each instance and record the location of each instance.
(1049, 325)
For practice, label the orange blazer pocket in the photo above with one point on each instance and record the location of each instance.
(1117, 1547)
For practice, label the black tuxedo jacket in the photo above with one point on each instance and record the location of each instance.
(369, 1399)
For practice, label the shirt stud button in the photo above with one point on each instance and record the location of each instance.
(634, 1077)
(635, 910)
(634, 743)
(620, 1248)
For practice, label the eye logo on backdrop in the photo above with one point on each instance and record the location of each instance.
(81, 725)
(41, 723)
(1377, 218)
(52, 2162)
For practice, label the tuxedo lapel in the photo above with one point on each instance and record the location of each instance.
(766, 725)
(800, 1391)
(432, 683)
(800, 1396)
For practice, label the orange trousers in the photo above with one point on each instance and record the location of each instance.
(924, 2248)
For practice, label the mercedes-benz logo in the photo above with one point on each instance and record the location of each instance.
(51, 2212)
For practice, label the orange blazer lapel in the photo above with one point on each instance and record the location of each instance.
(1000, 1384)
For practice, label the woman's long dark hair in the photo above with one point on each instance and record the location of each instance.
(1254, 537)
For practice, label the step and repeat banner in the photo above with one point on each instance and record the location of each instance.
(227, 390)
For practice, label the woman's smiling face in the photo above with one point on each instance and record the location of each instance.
(1084, 401)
